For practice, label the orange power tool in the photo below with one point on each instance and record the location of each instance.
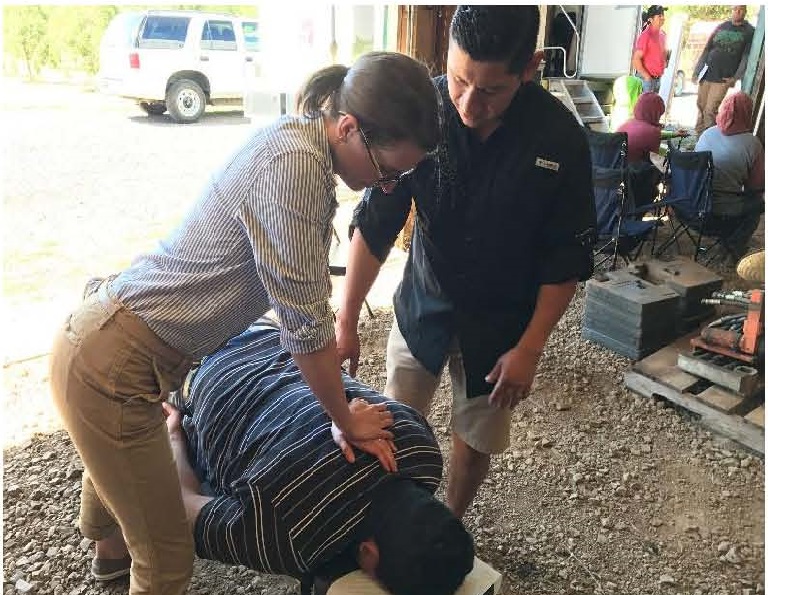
(740, 336)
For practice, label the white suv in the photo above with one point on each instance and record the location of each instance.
(178, 61)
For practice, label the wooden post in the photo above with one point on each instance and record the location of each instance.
(423, 33)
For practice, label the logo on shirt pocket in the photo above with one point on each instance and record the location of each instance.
(546, 164)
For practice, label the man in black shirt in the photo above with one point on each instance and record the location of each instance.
(265, 486)
(721, 64)
(503, 233)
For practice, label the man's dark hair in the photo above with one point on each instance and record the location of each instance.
(423, 548)
(497, 33)
(652, 11)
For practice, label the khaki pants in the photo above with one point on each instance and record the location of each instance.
(709, 98)
(484, 428)
(109, 375)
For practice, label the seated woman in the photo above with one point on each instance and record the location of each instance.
(644, 137)
(738, 171)
(644, 129)
(265, 486)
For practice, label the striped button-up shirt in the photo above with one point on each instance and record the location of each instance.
(257, 239)
(287, 501)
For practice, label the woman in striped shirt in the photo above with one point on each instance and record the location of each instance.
(257, 239)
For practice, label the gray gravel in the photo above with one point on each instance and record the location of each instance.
(602, 490)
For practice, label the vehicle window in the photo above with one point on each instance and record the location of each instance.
(250, 30)
(164, 32)
(218, 35)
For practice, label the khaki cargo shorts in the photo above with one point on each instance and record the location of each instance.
(484, 428)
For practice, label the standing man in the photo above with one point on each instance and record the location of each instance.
(723, 61)
(650, 54)
(503, 233)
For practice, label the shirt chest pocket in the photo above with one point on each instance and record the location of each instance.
(520, 204)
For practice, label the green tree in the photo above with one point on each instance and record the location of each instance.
(78, 31)
(24, 36)
(711, 12)
(361, 45)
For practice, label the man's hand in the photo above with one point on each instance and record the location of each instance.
(190, 484)
(173, 421)
(513, 374)
(347, 339)
(382, 449)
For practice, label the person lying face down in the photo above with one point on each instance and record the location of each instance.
(266, 487)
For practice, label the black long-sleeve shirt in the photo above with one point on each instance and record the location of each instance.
(495, 221)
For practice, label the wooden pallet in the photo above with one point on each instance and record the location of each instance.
(730, 414)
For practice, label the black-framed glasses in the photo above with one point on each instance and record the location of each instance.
(383, 179)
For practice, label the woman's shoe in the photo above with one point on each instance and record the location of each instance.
(107, 569)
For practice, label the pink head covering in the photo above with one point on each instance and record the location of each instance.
(735, 114)
(649, 108)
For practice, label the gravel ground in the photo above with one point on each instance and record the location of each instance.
(602, 490)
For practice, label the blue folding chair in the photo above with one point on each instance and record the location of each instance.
(687, 202)
(620, 232)
(608, 149)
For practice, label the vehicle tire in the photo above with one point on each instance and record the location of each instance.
(680, 82)
(153, 108)
(185, 101)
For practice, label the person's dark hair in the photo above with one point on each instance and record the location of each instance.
(390, 94)
(423, 548)
(652, 11)
(497, 33)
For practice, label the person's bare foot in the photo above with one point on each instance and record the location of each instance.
(112, 547)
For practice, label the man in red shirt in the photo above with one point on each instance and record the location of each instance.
(650, 53)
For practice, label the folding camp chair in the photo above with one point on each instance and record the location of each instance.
(687, 201)
(731, 233)
(620, 234)
(608, 149)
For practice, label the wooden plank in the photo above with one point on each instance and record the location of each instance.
(668, 356)
(678, 379)
(757, 416)
(655, 364)
(732, 426)
(662, 365)
(721, 399)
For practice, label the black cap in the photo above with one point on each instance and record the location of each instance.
(654, 10)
